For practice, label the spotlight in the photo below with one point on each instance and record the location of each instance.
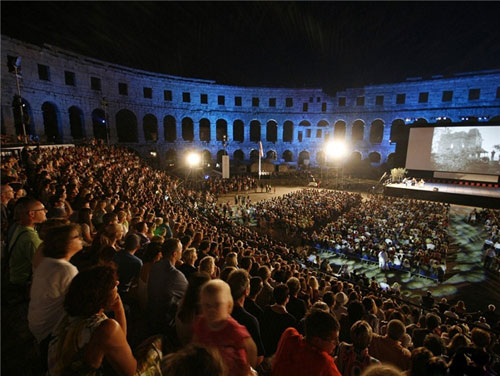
(193, 159)
(336, 149)
(153, 153)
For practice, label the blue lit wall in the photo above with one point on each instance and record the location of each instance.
(68, 96)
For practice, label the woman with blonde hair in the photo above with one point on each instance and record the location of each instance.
(207, 265)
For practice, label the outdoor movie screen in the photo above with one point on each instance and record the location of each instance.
(462, 149)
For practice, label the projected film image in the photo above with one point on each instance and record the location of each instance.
(466, 149)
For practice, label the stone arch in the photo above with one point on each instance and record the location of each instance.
(420, 121)
(76, 122)
(376, 131)
(27, 116)
(304, 123)
(150, 127)
(239, 155)
(169, 128)
(323, 123)
(288, 156)
(271, 155)
(221, 130)
(320, 157)
(238, 131)
(272, 131)
(304, 158)
(288, 131)
(99, 124)
(187, 129)
(51, 123)
(254, 155)
(206, 157)
(374, 157)
(171, 156)
(397, 130)
(126, 126)
(358, 131)
(339, 130)
(204, 129)
(220, 153)
(255, 131)
(391, 158)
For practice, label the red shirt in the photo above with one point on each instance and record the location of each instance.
(297, 357)
(228, 340)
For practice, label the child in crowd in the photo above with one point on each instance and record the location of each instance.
(216, 328)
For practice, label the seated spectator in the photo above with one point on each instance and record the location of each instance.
(353, 359)
(420, 358)
(296, 306)
(207, 265)
(339, 307)
(265, 296)
(216, 328)
(51, 280)
(86, 336)
(276, 319)
(432, 322)
(435, 344)
(191, 359)
(250, 305)
(189, 257)
(189, 307)
(388, 348)
(309, 355)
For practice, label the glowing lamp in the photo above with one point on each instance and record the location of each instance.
(193, 159)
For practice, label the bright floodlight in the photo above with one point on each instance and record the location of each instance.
(336, 149)
(193, 159)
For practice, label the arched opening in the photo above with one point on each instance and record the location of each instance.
(304, 158)
(171, 156)
(150, 126)
(51, 122)
(187, 129)
(320, 158)
(206, 157)
(169, 128)
(221, 130)
(420, 121)
(99, 126)
(220, 153)
(239, 155)
(254, 131)
(323, 123)
(355, 157)
(397, 130)
(358, 131)
(304, 123)
(254, 155)
(27, 116)
(271, 155)
(76, 122)
(391, 159)
(374, 157)
(204, 130)
(126, 126)
(272, 131)
(288, 131)
(339, 130)
(377, 131)
(288, 156)
(238, 131)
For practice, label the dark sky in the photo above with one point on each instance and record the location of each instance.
(332, 45)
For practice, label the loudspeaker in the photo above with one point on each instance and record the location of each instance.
(435, 189)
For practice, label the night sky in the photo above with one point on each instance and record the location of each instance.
(332, 45)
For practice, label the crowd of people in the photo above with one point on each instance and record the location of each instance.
(127, 271)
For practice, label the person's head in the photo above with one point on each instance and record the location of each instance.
(239, 283)
(132, 243)
(189, 256)
(85, 216)
(231, 259)
(340, 298)
(480, 338)
(255, 287)
(113, 232)
(152, 253)
(361, 334)
(322, 330)
(63, 241)
(92, 290)
(281, 294)
(419, 359)
(224, 274)
(355, 311)
(434, 343)
(189, 360)
(369, 305)
(384, 369)
(264, 273)
(457, 342)
(172, 250)
(207, 265)
(432, 321)
(189, 306)
(50, 223)
(30, 211)
(141, 227)
(216, 302)
(109, 218)
(7, 193)
(395, 330)
(293, 285)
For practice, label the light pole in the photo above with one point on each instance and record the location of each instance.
(104, 104)
(337, 150)
(17, 64)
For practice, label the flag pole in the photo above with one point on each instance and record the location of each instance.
(259, 165)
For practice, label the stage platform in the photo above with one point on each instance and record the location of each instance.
(450, 193)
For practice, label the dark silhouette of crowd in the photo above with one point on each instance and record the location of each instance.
(127, 270)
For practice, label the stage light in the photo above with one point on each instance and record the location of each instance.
(153, 153)
(336, 149)
(193, 159)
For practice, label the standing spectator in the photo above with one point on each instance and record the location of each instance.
(266, 294)
(129, 265)
(166, 287)
(250, 305)
(388, 348)
(7, 194)
(189, 257)
(309, 355)
(296, 306)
